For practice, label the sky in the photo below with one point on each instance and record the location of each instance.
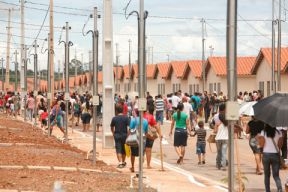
(173, 28)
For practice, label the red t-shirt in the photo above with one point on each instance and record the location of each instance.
(150, 118)
(125, 109)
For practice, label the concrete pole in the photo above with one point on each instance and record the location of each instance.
(108, 91)
(35, 79)
(117, 64)
(49, 95)
(142, 88)
(2, 75)
(95, 81)
(129, 88)
(66, 79)
(7, 76)
(279, 50)
(203, 56)
(51, 40)
(273, 51)
(22, 61)
(231, 80)
(16, 70)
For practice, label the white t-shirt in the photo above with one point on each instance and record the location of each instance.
(222, 133)
(175, 100)
(269, 147)
(187, 108)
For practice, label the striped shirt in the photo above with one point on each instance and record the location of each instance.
(159, 104)
(201, 135)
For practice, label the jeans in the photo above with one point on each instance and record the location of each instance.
(271, 160)
(221, 153)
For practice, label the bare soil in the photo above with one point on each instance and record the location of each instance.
(32, 161)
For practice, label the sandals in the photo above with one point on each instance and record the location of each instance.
(132, 169)
(180, 160)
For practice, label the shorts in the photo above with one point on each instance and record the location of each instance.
(253, 143)
(135, 150)
(86, 117)
(180, 137)
(77, 113)
(119, 143)
(159, 117)
(59, 121)
(149, 143)
(44, 122)
(200, 148)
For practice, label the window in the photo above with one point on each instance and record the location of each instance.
(210, 88)
(268, 88)
(218, 87)
(190, 89)
(261, 86)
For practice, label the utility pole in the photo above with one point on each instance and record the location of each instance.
(117, 64)
(58, 76)
(7, 77)
(279, 50)
(273, 87)
(16, 70)
(108, 91)
(211, 50)
(90, 69)
(49, 95)
(95, 81)
(203, 56)
(25, 79)
(129, 66)
(35, 78)
(67, 96)
(22, 61)
(2, 76)
(51, 48)
(231, 65)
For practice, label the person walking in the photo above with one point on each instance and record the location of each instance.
(134, 124)
(86, 115)
(181, 122)
(201, 142)
(221, 142)
(254, 127)
(119, 128)
(271, 140)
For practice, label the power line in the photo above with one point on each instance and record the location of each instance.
(30, 24)
(40, 9)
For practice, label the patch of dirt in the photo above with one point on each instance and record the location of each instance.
(23, 145)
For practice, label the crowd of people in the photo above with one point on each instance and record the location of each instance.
(187, 113)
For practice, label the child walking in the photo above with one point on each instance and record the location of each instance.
(201, 142)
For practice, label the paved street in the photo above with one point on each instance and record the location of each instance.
(188, 175)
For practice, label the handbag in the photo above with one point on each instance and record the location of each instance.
(211, 138)
(152, 133)
(282, 161)
(132, 139)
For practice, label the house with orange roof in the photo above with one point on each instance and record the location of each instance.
(126, 78)
(118, 78)
(216, 71)
(194, 80)
(134, 77)
(163, 78)
(151, 72)
(263, 70)
(179, 75)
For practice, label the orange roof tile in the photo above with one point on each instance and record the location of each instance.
(180, 68)
(135, 70)
(164, 69)
(266, 53)
(196, 67)
(126, 71)
(244, 65)
(120, 72)
(151, 71)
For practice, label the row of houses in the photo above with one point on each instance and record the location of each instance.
(253, 73)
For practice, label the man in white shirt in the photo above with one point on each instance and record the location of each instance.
(175, 100)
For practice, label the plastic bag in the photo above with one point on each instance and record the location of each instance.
(127, 150)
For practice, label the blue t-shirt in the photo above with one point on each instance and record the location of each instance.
(134, 122)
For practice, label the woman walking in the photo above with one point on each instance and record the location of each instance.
(271, 140)
(182, 129)
(254, 128)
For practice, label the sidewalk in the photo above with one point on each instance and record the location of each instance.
(172, 179)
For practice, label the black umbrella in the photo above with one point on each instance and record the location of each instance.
(273, 110)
